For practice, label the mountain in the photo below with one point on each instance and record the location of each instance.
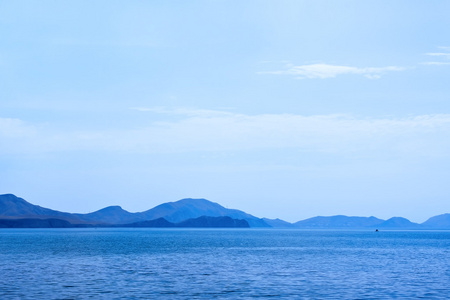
(34, 223)
(201, 222)
(156, 223)
(174, 212)
(12, 206)
(193, 208)
(214, 222)
(16, 212)
(338, 222)
(111, 215)
(278, 223)
(342, 222)
(398, 223)
(438, 222)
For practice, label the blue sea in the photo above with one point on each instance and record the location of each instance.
(223, 264)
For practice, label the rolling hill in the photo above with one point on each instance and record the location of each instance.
(13, 207)
(190, 212)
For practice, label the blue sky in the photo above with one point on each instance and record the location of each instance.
(286, 109)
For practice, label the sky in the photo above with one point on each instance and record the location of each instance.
(283, 109)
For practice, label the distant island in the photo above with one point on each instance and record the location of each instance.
(15, 212)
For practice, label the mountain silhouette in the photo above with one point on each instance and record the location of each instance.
(35, 223)
(438, 222)
(278, 223)
(214, 222)
(16, 212)
(193, 208)
(399, 222)
(111, 215)
(201, 222)
(12, 207)
(339, 222)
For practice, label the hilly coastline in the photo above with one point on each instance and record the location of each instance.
(201, 222)
(16, 212)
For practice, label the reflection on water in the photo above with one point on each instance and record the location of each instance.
(228, 263)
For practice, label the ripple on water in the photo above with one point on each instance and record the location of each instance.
(204, 264)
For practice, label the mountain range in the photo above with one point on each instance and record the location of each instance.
(16, 212)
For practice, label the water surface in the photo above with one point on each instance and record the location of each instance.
(223, 263)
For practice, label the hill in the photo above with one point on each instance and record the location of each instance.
(12, 207)
(438, 222)
(399, 223)
(196, 212)
(34, 223)
(338, 222)
(201, 222)
(111, 215)
(278, 223)
(193, 208)
(213, 222)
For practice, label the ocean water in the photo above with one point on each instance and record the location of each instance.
(223, 264)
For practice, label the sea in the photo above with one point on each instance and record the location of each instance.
(144, 263)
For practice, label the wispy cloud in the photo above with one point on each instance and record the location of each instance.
(436, 63)
(323, 71)
(447, 55)
(15, 128)
(131, 43)
(224, 131)
(443, 57)
(191, 112)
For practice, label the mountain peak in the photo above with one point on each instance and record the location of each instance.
(112, 208)
(190, 208)
(398, 222)
(7, 195)
(196, 201)
(11, 198)
(11, 205)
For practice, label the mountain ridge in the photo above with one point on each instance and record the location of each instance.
(201, 222)
(13, 208)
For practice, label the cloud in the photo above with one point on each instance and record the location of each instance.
(447, 55)
(15, 128)
(16, 135)
(424, 135)
(183, 111)
(436, 63)
(323, 71)
(444, 56)
(140, 42)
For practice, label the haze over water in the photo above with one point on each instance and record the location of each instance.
(223, 263)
